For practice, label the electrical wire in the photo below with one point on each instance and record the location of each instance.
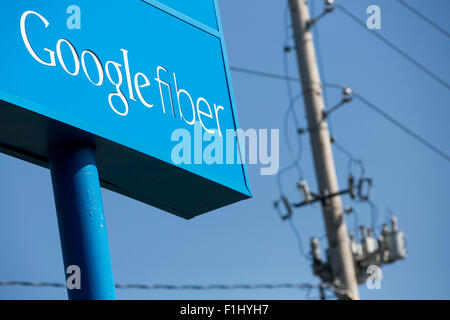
(398, 124)
(321, 64)
(285, 52)
(174, 287)
(299, 240)
(388, 214)
(337, 290)
(276, 76)
(263, 74)
(404, 128)
(374, 211)
(355, 223)
(295, 159)
(423, 17)
(393, 46)
(352, 161)
(292, 100)
(290, 109)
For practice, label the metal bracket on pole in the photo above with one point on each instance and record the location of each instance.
(329, 7)
(324, 197)
(347, 96)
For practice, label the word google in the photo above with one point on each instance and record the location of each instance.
(201, 109)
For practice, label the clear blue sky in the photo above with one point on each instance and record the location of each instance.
(247, 242)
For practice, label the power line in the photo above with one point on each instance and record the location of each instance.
(299, 239)
(405, 129)
(285, 52)
(278, 76)
(264, 74)
(295, 159)
(423, 17)
(374, 210)
(268, 286)
(174, 287)
(355, 223)
(290, 109)
(344, 151)
(384, 114)
(292, 101)
(352, 161)
(319, 54)
(394, 47)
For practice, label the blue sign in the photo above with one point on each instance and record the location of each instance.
(136, 79)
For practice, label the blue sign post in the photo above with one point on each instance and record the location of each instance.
(81, 222)
(104, 93)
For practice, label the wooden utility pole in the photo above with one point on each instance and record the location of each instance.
(340, 257)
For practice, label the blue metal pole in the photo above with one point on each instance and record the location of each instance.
(81, 222)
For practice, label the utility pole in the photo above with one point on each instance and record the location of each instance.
(340, 257)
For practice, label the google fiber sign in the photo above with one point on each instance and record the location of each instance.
(124, 76)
